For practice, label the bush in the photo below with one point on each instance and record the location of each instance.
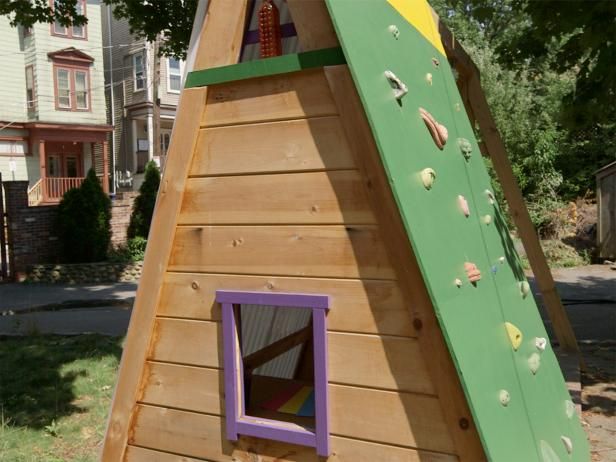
(133, 250)
(83, 223)
(143, 208)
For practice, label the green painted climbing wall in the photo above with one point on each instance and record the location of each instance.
(517, 395)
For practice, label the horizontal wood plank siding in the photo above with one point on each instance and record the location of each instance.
(290, 96)
(393, 363)
(318, 197)
(288, 146)
(402, 419)
(321, 251)
(367, 306)
(345, 449)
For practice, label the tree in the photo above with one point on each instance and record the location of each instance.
(83, 223)
(147, 19)
(143, 208)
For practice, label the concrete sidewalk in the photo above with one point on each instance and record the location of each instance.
(16, 297)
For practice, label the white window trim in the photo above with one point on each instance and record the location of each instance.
(144, 70)
(169, 90)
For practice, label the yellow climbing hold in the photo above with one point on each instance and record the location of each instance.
(419, 15)
(515, 335)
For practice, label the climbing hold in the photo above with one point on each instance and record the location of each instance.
(568, 443)
(464, 206)
(569, 408)
(547, 453)
(515, 335)
(438, 132)
(397, 85)
(427, 177)
(540, 343)
(429, 78)
(494, 269)
(534, 361)
(457, 107)
(503, 397)
(490, 195)
(458, 282)
(394, 31)
(472, 272)
(487, 219)
(524, 288)
(501, 260)
(465, 147)
(436, 62)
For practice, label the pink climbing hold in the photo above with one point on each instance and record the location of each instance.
(472, 272)
(464, 206)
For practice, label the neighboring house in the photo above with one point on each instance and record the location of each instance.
(130, 65)
(52, 114)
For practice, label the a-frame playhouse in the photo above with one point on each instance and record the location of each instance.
(328, 275)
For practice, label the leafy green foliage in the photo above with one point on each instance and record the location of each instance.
(83, 222)
(143, 208)
(532, 98)
(171, 19)
(133, 251)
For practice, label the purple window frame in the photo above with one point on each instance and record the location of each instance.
(238, 423)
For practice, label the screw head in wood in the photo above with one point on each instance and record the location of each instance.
(464, 423)
(194, 285)
(417, 324)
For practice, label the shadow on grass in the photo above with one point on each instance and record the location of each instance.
(37, 375)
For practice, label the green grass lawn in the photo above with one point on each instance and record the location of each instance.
(55, 394)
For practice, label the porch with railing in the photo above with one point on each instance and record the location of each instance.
(51, 189)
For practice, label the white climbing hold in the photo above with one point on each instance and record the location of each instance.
(429, 78)
(428, 176)
(568, 443)
(463, 204)
(398, 86)
(541, 343)
(501, 260)
(524, 288)
(465, 147)
(458, 282)
(569, 408)
(394, 31)
(490, 195)
(534, 361)
(503, 397)
(487, 219)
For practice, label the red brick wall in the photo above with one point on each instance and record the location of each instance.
(32, 239)
(121, 209)
(31, 230)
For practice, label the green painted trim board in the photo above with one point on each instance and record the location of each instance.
(265, 67)
(531, 425)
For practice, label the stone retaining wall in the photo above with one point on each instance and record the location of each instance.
(85, 273)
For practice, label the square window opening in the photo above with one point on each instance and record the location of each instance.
(275, 367)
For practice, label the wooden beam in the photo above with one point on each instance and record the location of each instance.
(260, 357)
(431, 342)
(221, 38)
(479, 112)
(219, 45)
(313, 24)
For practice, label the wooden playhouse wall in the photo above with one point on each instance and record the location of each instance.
(276, 200)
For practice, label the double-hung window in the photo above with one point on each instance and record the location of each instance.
(30, 87)
(72, 89)
(74, 31)
(174, 75)
(139, 71)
